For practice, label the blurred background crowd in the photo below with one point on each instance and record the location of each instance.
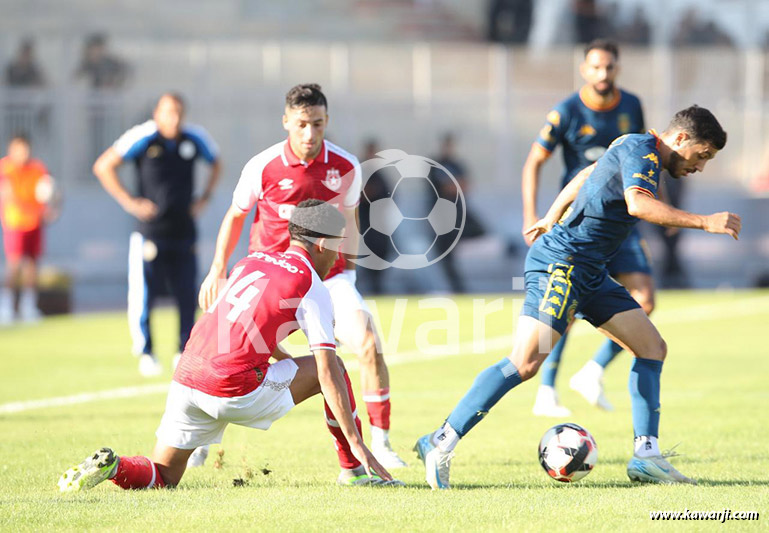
(468, 83)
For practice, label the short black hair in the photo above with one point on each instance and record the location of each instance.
(20, 136)
(607, 45)
(701, 125)
(173, 95)
(306, 95)
(315, 219)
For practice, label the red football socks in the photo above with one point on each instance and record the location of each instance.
(346, 457)
(137, 472)
(378, 407)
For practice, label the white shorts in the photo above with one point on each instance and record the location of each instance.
(347, 301)
(194, 418)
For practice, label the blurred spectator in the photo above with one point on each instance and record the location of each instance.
(23, 70)
(447, 188)
(375, 188)
(695, 31)
(162, 249)
(637, 31)
(26, 191)
(510, 20)
(590, 22)
(99, 67)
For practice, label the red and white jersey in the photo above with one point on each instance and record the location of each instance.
(267, 297)
(276, 180)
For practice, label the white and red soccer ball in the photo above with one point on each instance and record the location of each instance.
(567, 452)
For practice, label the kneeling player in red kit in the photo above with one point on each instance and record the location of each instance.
(224, 375)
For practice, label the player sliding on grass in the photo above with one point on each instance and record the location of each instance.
(224, 375)
(566, 274)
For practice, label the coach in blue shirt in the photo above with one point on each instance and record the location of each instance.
(162, 249)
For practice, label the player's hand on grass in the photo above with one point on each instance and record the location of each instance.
(528, 222)
(724, 222)
(209, 290)
(538, 229)
(142, 208)
(367, 459)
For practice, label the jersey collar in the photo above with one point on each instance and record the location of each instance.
(656, 137)
(301, 252)
(595, 104)
(291, 160)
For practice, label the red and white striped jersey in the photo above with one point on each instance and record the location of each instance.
(276, 180)
(267, 297)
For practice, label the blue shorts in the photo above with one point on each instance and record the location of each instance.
(557, 290)
(632, 256)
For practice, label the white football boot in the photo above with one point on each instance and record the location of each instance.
(149, 366)
(656, 469)
(198, 457)
(437, 462)
(589, 383)
(382, 450)
(547, 404)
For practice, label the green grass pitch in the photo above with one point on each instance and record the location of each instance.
(715, 393)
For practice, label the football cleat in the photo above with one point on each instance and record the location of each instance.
(357, 477)
(149, 366)
(590, 386)
(655, 469)
(437, 462)
(547, 404)
(99, 466)
(386, 456)
(198, 457)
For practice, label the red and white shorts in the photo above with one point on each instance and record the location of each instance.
(20, 244)
(194, 418)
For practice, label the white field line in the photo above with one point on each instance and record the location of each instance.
(748, 306)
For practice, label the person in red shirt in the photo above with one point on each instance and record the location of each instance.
(26, 189)
(307, 166)
(224, 375)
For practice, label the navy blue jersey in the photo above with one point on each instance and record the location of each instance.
(593, 228)
(165, 170)
(585, 130)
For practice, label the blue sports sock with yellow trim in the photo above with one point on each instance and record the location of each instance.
(607, 352)
(487, 389)
(549, 369)
(645, 396)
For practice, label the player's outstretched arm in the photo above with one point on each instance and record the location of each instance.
(334, 390)
(561, 203)
(643, 206)
(529, 187)
(105, 168)
(229, 233)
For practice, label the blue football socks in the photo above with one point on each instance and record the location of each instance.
(549, 368)
(645, 396)
(607, 352)
(487, 389)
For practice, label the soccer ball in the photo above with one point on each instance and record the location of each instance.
(567, 452)
(413, 221)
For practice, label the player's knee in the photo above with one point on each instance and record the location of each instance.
(528, 369)
(646, 301)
